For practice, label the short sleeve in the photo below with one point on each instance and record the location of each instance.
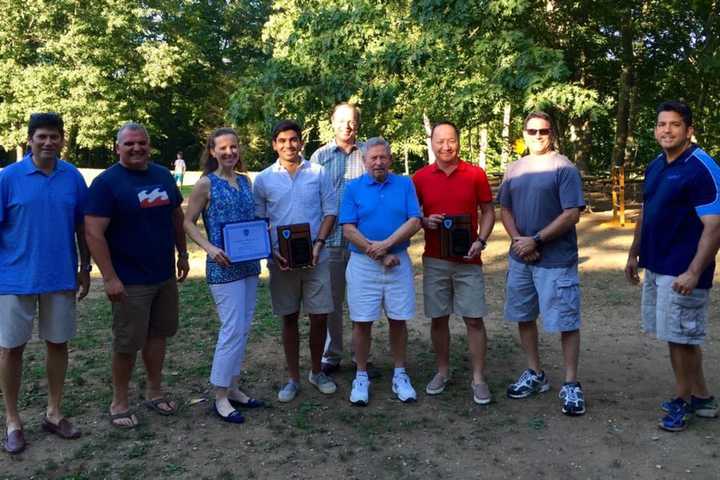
(411, 201)
(348, 206)
(328, 194)
(82, 197)
(482, 187)
(178, 196)
(3, 197)
(172, 186)
(504, 198)
(703, 191)
(100, 202)
(418, 190)
(570, 188)
(259, 198)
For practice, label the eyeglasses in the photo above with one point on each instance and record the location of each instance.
(534, 131)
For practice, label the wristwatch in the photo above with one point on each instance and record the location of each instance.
(483, 242)
(538, 240)
(86, 268)
(184, 255)
(320, 241)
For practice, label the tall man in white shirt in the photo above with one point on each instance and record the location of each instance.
(293, 191)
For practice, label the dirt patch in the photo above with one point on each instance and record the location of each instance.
(625, 375)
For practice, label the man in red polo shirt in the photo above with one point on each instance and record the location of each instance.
(454, 284)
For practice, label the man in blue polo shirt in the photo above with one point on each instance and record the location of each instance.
(676, 239)
(41, 206)
(380, 213)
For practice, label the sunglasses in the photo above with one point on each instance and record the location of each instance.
(534, 131)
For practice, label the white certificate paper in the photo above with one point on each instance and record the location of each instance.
(244, 241)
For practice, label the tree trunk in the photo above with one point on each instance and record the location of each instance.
(505, 138)
(624, 91)
(428, 130)
(19, 153)
(482, 160)
(471, 142)
(631, 145)
(583, 144)
(711, 45)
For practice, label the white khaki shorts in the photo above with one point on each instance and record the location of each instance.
(453, 287)
(309, 287)
(372, 288)
(673, 317)
(55, 312)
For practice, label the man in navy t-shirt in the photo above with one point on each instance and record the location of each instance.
(676, 239)
(133, 225)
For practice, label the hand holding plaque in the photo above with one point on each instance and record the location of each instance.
(295, 245)
(455, 235)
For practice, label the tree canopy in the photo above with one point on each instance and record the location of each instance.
(184, 67)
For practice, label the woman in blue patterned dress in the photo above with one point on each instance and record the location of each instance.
(223, 195)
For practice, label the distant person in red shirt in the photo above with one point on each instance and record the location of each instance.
(454, 284)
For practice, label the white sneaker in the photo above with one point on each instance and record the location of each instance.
(322, 382)
(402, 387)
(288, 392)
(360, 391)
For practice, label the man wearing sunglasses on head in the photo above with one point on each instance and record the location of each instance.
(541, 198)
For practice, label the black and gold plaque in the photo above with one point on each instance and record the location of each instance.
(295, 244)
(455, 235)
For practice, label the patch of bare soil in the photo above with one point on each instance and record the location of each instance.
(625, 376)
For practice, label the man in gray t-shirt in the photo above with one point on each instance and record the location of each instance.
(541, 198)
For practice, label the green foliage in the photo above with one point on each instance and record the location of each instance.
(465, 60)
(185, 67)
(170, 64)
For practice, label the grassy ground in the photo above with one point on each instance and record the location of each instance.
(625, 375)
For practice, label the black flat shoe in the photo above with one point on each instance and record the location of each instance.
(234, 417)
(252, 403)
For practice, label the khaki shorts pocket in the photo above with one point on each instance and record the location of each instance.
(567, 295)
(689, 314)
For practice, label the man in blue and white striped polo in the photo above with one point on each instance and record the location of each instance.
(342, 159)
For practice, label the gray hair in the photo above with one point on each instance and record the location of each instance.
(132, 126)
(375, 141)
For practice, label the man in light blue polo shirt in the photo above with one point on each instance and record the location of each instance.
(379, 213)
(295, 191)
(41, 213)
(676, 240)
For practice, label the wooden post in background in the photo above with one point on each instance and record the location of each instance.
(618, 194)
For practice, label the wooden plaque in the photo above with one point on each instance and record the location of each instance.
(295, 244)
(455, 235)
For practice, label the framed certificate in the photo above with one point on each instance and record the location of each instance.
(244, 241)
